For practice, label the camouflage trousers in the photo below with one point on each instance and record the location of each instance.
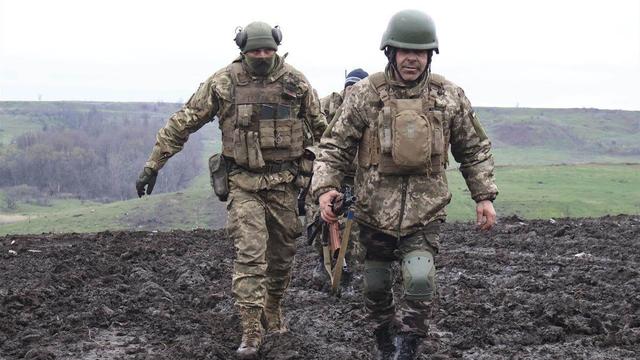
(264, 226)
(381, 250)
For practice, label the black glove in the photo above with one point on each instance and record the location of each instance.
(147, 178)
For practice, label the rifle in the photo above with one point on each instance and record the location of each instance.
(332, 242)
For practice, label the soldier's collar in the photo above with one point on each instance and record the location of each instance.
(275, 74)
(412, 89)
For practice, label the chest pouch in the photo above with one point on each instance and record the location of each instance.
(412, 134)
(405, 135)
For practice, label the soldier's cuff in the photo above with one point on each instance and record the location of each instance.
(153, 165)
(482, 197)
(317, 193)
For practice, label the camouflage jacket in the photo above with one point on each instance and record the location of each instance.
(401, 205)
(215, 99)
(330, 104)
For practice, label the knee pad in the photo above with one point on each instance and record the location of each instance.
(418, 275)
(377, 276)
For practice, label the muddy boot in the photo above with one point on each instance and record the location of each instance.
(320, 279)
(384, 342)
(272, 318)
(406, 346)
(347, 276)
(251, 333)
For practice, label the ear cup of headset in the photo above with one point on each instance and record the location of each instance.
(277, 34)
(241, 38)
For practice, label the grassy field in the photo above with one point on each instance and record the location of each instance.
(529, 192)
(542, 192)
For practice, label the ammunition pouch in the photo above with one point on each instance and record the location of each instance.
(219, 174)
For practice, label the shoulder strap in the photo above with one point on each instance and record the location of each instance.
(238, 75)
(437, 81)
(379, 84)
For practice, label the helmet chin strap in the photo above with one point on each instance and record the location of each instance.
(390, 52)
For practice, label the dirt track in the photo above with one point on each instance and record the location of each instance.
(533, 290)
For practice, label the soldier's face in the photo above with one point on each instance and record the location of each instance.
(411, 63)
(347, 91)
(261, 53)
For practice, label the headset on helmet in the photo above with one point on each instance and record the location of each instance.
(241, 36)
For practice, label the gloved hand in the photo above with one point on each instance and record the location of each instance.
(147, 178)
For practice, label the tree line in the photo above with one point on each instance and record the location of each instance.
(94, 157)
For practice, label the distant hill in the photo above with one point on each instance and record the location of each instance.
(520, 136)
(18, 117)
(530, 136)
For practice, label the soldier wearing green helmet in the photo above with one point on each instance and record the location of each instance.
(399, 125)
(268, 114)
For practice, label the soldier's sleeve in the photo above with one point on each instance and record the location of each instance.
(338, 147)
(313, 115)
(471, 147)
(195, 113)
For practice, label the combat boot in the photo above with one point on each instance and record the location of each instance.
(406, 346)
(272, 319)
(251, 333)
(384, 341)
(320, 278)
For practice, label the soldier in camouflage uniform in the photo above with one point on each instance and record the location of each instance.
(268, 114)
(400, 124)
(329, 106)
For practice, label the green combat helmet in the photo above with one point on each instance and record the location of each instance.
(258, 35)
(410, 29)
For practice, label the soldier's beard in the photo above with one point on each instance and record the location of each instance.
(261, 66)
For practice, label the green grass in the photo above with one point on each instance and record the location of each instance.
(543, 192)
(530, 192)
(193, 208)
(545, 156)
(11, 126)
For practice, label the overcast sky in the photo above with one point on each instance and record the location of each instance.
(538, 53)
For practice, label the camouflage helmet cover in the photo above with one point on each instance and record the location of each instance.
(410, 29)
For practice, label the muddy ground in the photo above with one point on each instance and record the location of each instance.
(527, 290)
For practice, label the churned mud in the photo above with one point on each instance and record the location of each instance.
(566, 289)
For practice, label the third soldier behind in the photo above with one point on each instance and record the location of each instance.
(329, 106)
(399, 124)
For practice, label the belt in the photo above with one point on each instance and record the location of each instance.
(268, 168)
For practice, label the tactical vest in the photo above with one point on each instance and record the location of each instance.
(264, 127)
(406, 136)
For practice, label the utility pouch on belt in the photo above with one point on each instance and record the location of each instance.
(219, 176)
